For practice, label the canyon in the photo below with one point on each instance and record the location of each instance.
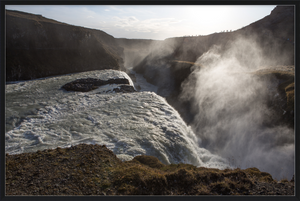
(234, 91)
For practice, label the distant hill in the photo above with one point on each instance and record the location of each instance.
(39, 47)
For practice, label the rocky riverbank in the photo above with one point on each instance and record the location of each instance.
(95, 170)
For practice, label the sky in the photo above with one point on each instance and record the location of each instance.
(152, 21)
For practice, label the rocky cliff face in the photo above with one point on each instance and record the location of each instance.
(38, 47)
(274, 35)
(274, 32)
(135, 50)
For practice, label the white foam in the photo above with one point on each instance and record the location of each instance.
(129, 124)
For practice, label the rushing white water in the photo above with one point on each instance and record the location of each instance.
(142, 83)
(40, 115)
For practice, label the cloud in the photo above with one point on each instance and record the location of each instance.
(131, 23)
(107, 10)
(116, 9)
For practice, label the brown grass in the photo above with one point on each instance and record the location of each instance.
(95, 170)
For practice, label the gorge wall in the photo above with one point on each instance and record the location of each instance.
(135, 50)
(172, 62)
(39, 47)
(274, 34)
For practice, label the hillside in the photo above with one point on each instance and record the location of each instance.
(39, 47)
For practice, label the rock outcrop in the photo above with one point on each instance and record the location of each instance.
(281, 93)
(89, 84)
(124, 89)
(39, 47)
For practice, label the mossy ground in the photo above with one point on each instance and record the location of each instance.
(95, 170)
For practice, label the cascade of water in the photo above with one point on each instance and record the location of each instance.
(40, 115)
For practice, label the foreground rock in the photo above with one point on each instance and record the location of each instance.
(95, 170)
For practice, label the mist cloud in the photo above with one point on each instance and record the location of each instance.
(233, 119)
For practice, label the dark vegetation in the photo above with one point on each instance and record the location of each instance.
(95, 170)
(39, 47)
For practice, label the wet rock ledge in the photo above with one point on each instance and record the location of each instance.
(89, 84)
(95, 170)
